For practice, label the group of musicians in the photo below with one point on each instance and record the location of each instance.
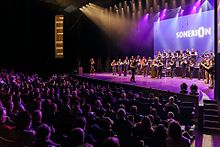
(168, 61)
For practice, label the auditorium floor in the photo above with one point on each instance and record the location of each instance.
(204, 140)
(166, 83)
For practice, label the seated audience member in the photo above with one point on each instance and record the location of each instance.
(173, 107)
(158, 106)
(10, 107)
(111, 142)
(153, 112)
(37, 119)
(5, 130)
(109, 111)
(134, 112)
(43, 137)
(122, 126)
(175, 137)
(144, 128)
(24, 134)
(77, 138)
(170, 117)
(159, 136)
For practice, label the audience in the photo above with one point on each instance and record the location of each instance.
(60, 110)
(175, 137)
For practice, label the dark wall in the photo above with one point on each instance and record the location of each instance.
(30, 33)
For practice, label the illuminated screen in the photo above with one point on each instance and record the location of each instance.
(186, 32)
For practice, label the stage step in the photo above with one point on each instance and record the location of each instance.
(212, 117)
(208, 123)
(210, 106)
(211, 130)
(210, 112)
(210, 101)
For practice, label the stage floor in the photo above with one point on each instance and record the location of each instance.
(166, 83)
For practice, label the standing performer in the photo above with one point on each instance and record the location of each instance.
(184, 66)
(114, 67)
(210, 70)
(154, 68)
(132, 66)
(120, 64)
(201, 70)
(125, 66)
(173, 67)
(159, 69)
(193, 55)
(144, 65)
(206, 64)
(138, 63)
(149, 64)
(191, 68)
(92, 66)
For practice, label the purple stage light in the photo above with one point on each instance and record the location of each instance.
(181, 12)
(194, 7)
(146, 16)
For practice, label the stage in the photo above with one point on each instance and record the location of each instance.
(166, 83)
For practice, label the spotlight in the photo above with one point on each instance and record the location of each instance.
(194, 7)
(183, 88)
(194, 89)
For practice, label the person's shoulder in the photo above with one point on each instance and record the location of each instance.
(185, 141)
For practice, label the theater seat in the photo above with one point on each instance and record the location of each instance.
(7, 143)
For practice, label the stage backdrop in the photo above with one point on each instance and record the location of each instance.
(186, 32)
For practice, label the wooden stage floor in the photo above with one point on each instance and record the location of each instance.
(166, 83)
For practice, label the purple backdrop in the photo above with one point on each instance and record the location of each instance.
(191, 31)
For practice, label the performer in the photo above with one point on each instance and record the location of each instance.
(188, 54)
(92, 66)
(114, 67)
(206, 64)
(201, 70)
(210, 69)
(184, 66)
(149, 64)
(125, 66)
(144, 65)
(138, 63)
(132, 66)
(163, 57)
(173, 67)
(193, 55)
(181, 57)
(119, 64)
(154, 68)
(159, 69)
(191, 68)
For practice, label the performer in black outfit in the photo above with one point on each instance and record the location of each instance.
(173, 67)
(92, 66)
(114, 67)
(191, 68)
(201, 71)
(159, 69)
(120, 65)
(132, 66)
(125, 66)
(184, 66)
(210, 69)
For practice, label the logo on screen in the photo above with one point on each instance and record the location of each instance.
(200, 33)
